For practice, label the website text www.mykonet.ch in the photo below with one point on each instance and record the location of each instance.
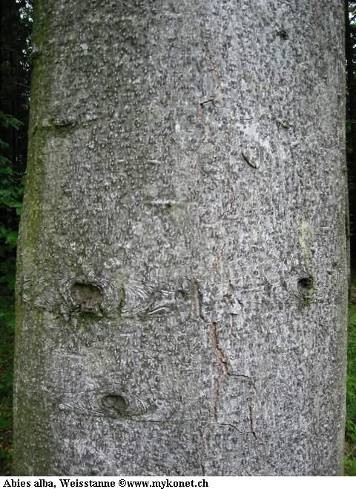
(159, 484)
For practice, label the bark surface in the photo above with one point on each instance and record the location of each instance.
(182, 278)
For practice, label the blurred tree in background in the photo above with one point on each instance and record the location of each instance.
(350, 45)
(15, 52)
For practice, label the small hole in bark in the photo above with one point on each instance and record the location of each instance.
(87, 296)
(306, 284)
(282, 34)
(116, 403)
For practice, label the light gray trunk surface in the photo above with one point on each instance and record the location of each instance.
(182, 281)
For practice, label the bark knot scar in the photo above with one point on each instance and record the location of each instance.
(125, 406)
(306, 283)
(209, 100)
(306, 290)
(249, 160)
(283, 34)
(115, 402)
(87, 296)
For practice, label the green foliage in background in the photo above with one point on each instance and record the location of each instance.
(7, 320)
(11, 190)
(350, 460)
(15, 71)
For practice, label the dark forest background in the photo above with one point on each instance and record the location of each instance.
(15, 73)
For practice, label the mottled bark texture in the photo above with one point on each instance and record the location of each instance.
(182, 264)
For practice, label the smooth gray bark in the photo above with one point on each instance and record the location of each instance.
(182, 280)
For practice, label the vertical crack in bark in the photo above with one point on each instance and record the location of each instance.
(252, 420)
(198, 301)
(219, 352)
(223, 369)
(224, 372)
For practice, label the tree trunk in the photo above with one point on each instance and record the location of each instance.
(182, 287)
